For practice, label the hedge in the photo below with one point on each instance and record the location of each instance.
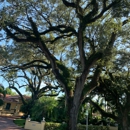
(59, 126)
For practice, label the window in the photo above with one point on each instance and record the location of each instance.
(7, 106)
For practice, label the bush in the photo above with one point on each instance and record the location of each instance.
(54, 126)
(92, 127)
(26, 108)
(1, 102)
(59, 126)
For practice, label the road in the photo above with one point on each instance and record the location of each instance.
(6, 123)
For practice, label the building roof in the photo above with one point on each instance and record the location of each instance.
(10, 98)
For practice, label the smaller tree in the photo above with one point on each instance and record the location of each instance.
(44, 107)
(33, 79)
(2, 94)
(115, 89)
(2, 90)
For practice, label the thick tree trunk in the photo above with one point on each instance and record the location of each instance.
(73, 103)
(72, 124)
(124, 122)
(72, 116)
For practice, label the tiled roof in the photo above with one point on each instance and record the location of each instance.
(11, 98)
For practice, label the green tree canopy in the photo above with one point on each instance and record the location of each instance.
(10, 92)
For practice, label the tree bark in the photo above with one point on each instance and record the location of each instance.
(72, 124)
(123, 123)
(73, 110)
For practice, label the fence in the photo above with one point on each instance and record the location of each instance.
(34, 125)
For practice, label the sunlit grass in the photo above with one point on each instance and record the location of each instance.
(19, 122)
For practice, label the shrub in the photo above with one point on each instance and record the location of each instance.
(62, 126)
(1, 102)
(54, 126)
(59, 126)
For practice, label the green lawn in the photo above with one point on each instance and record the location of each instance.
(20, 122)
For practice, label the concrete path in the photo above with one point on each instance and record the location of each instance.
(6, 123)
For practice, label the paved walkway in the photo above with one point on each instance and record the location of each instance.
(6, 123)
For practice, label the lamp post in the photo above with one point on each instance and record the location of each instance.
(87, 116)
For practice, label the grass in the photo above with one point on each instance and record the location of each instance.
(19, 122)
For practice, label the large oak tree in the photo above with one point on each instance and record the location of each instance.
(75, 37)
